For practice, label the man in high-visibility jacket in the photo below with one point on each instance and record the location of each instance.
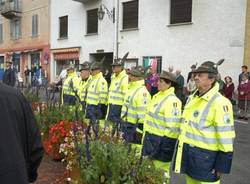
(97, 96)
(70, 86)
(84, 83)
(134, 107)
(162, 124)
(205, 147)
(117, 92)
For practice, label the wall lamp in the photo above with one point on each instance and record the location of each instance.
(102, 10)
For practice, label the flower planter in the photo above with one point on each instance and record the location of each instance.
(75, 174)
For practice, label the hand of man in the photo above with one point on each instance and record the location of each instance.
(218, 174)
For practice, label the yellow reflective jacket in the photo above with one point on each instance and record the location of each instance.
(82, 88)
(208, 121)
(118, 88)
(70, 84)
(163, 116)
(136, 101)
(97, 92)
(208, 125)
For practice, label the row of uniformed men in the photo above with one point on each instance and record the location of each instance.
(201, 137)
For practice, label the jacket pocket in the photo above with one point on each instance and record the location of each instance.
(201, 164)
(166, 149)
(151, 144)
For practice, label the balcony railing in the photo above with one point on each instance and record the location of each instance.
(85, 1)
(11, 9)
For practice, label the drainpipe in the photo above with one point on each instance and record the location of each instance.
(116, 13)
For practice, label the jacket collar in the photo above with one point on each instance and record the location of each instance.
(209, 94)
(73, 74)
(97, 76)
(166, 92)
(120, 75)
(138, 83)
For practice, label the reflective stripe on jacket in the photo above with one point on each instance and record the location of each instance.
(70, 85)
(163, 116)
(208, 121)
(118, 88)
(136, 101)
(97, 92)
(82, 90)
(207, 135)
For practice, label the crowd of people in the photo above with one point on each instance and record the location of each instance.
(35, 76)
(150, 109)
(190, 128)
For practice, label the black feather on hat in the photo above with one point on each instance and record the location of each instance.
(97, 65)
(119, 61)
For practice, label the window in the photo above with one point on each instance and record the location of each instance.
(16, 5)
(35, 59)
(63, 30)
(16, 62)
(1, 33)
(130, 14)
(2, 2)
(181, 11)
(15, 29)
(92, 21)
(34, 25)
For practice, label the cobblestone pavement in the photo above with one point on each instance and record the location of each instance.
(50, 171)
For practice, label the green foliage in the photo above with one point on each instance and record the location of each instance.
(115, 163)
(52, 115)
(31, 95)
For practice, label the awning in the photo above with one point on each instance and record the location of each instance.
(66, 54)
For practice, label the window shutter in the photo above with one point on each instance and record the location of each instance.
(12, 29)
(130, 14)
(181, 11)
(18, 29)
(1, 33)
(92, 21)
(63, 33)
(34, 25)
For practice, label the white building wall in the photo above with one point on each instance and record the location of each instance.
(217, 31)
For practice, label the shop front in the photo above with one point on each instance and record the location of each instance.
(65, 57)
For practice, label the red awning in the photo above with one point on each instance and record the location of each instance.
(66, 54)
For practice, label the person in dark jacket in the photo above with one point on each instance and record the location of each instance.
(244, 69)
(179, 88)
(32, 72)
(21, 150)
(229, 89)
(193, 67)
(9, 76)
(244, 96)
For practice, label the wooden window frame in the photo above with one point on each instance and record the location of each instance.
(180, 11)
(35, 24)
(63, 32)
(92, 21)
(130, 17)
(1, 33)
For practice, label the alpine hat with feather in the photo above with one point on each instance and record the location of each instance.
(120, 61)
(97, 65)
(209, 67)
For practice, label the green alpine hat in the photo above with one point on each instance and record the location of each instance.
(85, 66)
(168, 75)
(209, 67)
(137, 71)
